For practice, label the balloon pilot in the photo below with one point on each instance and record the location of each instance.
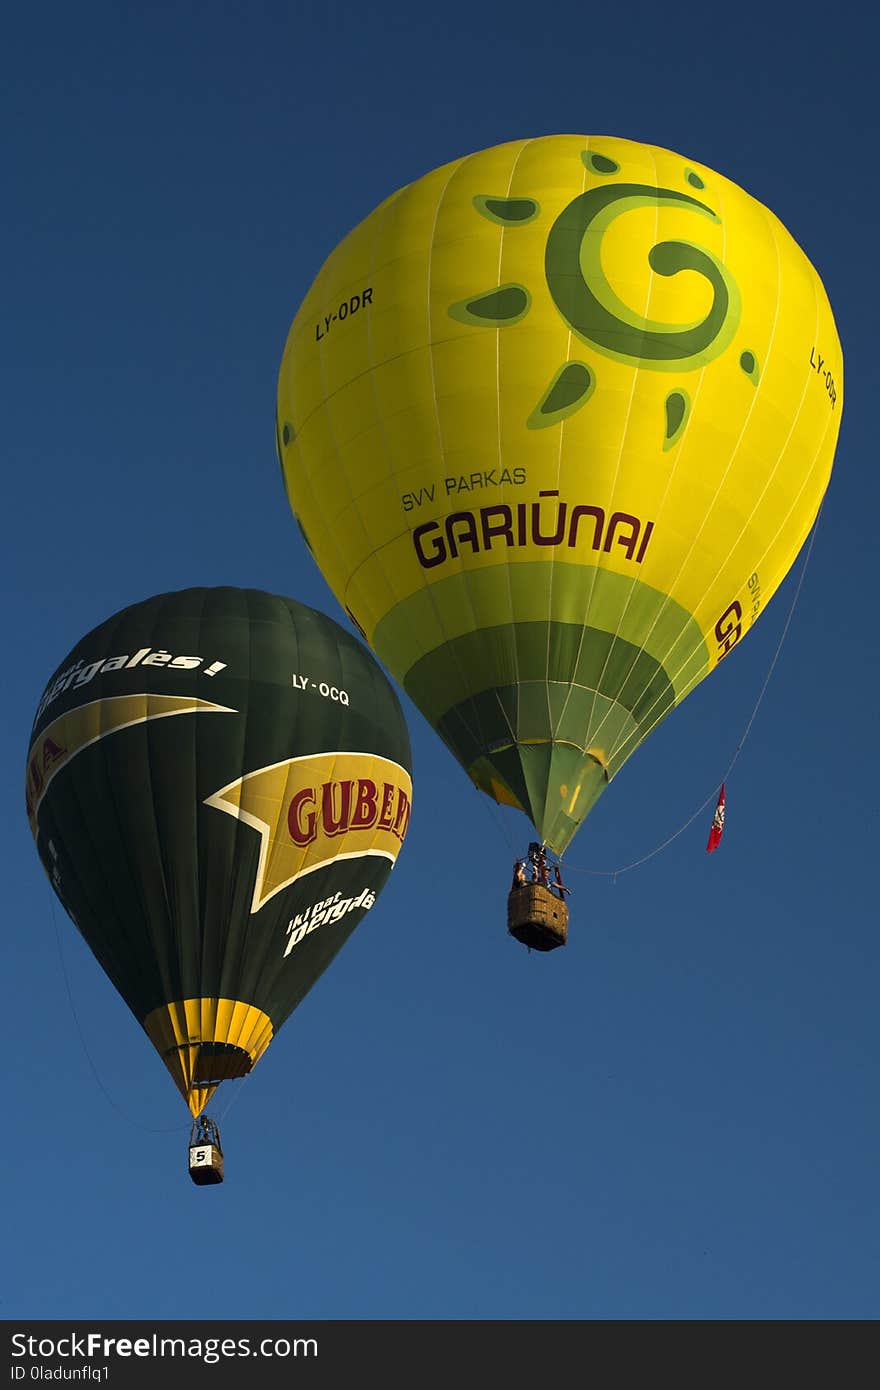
(537, 913)
(205, 1152)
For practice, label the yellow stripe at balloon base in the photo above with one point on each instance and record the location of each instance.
(205, 1041)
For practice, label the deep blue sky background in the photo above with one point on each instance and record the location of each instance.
(677, 1116)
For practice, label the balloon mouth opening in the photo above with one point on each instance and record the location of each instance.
(218, 1062)
(198, 1069)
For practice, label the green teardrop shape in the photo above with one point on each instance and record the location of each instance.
(507, 212)
(570, 388)
(677, 409)
(599, 163)
(496, 308)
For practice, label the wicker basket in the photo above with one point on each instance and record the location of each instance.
(537, 917)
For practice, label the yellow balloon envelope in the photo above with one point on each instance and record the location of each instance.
(555, 421)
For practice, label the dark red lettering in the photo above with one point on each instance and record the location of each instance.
(336, 822)
(364, 813)
(302, 826)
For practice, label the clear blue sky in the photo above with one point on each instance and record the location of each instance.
(676, 1117)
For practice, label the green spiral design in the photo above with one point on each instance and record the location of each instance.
(590, 307)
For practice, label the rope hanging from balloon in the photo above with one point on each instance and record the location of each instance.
(136, 1124)
(614, 874)
(636, 863)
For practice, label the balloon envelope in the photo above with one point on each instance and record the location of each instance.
(555, 420)
(218, 784)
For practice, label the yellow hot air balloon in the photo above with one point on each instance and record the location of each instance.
(555, 421)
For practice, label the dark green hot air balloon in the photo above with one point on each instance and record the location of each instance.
(218, 783)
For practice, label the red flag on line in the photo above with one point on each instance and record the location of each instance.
(717, 823)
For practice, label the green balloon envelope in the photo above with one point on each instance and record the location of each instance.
(218, 784)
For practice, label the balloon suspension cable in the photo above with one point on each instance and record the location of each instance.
(711, 798)
(137, 1124)
(495, 814)
(235, 1093)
